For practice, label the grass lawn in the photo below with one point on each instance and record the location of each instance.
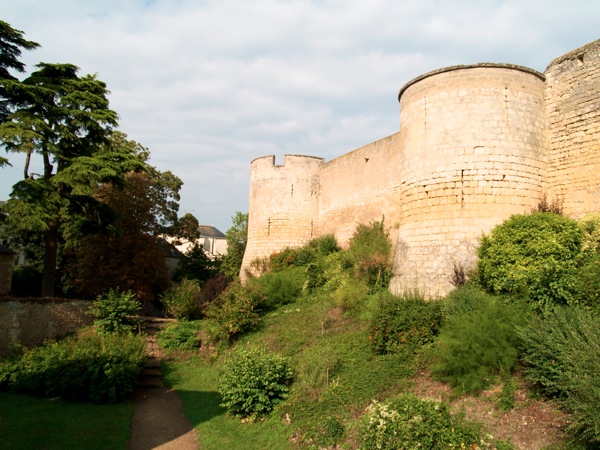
(32, 423)
(196, 383)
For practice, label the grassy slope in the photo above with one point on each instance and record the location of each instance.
(336, 377)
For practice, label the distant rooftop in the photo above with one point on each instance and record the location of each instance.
(210, 231)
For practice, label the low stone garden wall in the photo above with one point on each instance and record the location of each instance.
(30, 322)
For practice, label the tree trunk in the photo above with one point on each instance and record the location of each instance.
(50, 258)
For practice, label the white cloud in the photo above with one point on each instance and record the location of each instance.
(210, 85)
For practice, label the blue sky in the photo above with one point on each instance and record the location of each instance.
(208, 86)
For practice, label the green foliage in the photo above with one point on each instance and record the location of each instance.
(370, 251)
(235, 311)
(561, 352)
(588, 275)
(187, 227)
(65, 119)
(507, 397)
(113, 311)
(236, 237)
(254, 381)
(324, 245)
(280, 288)
(310, 254)
(351, 297)
(12, 42)
(407, 422)
(99, 369)
(404, 323)
(535, 254)
(588, 283)
(196, 265)
(183, 300)
(478, 340)
(181, 335)
(591, 235)
(283, 259)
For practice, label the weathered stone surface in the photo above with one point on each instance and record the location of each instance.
(476, 144)
(31, 322)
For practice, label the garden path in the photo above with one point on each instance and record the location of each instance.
(158, 420)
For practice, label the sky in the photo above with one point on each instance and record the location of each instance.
(207, 86)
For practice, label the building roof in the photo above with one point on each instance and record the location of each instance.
(210, 231)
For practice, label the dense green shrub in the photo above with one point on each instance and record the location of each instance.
(183, 300)
(235, 311)
(408, 422)
(281, 288)
(404, 323)
(303, 256)
(283, 259)
(196, 265)
(113, 311)
(181, 335)
(561, 352)
(324, 245)
(535, 254)
(253, 381)
(588, 275)
(591, 234)
(588, 283)
(370, 250)
(96, 368)
(478, 340)
(351, 297)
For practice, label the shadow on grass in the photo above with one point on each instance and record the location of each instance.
(159, 417)
(201, 406)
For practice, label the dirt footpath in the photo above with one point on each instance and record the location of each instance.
(159, 422)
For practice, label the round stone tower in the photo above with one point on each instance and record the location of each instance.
(474, 144)
(283, 206)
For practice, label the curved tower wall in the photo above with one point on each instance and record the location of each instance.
(283, 205)
(573, 121)
(473, 139)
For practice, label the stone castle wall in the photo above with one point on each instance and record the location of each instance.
(284, 205)
(573, 126)
(473, 156)
(476, 144)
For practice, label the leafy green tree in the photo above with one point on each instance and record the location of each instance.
(128, 254)
(65, 120)
(196, 265)
(12, 42)
(188, 227)
(237, 237)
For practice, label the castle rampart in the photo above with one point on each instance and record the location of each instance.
(474, 139)
(572, 101)
(476, 144)
(284, 204)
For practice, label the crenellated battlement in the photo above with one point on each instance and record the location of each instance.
(476, 144)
